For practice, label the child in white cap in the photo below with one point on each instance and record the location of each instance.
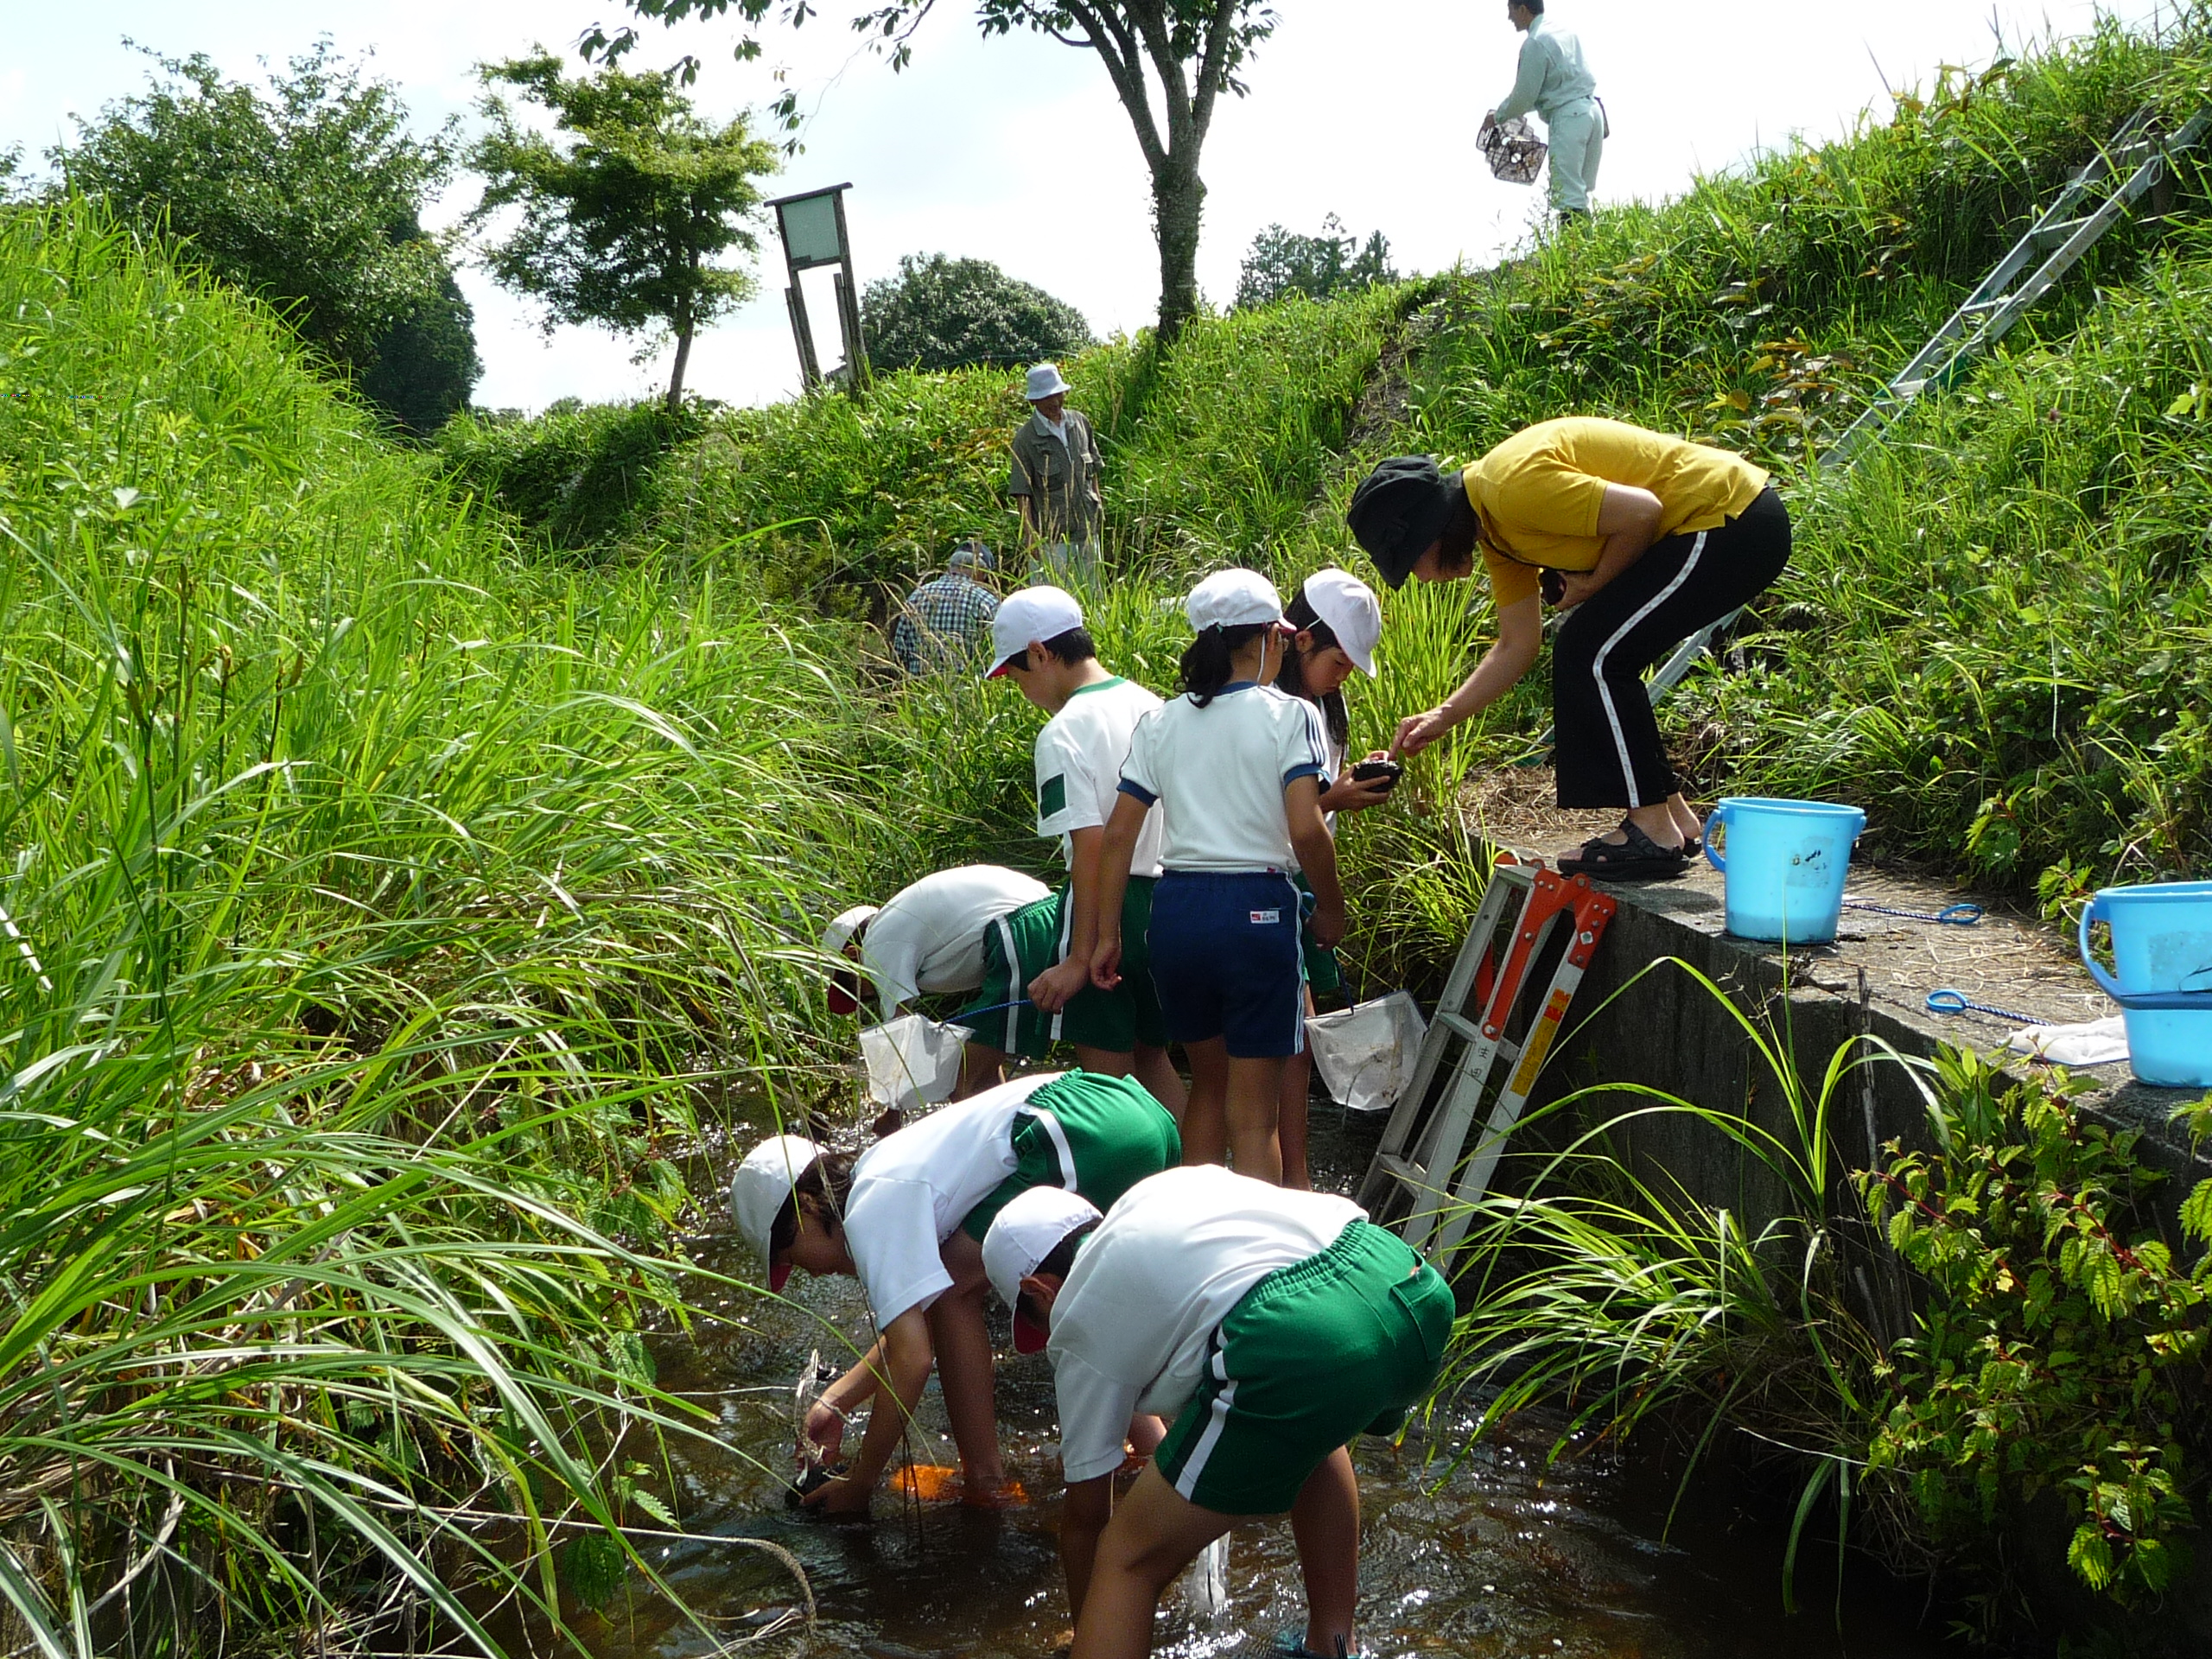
(907, 1219)
(1271, 1327)
(1236, 768)
(1040, 646)
(1339, 624)
(929, 938)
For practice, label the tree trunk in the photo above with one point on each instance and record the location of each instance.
(1178, 197)
(683, 331)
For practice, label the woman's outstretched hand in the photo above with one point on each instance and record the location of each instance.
(1417, 731)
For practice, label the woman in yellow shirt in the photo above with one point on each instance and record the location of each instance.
(1650, 538)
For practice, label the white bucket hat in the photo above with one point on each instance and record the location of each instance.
(757, 1192)
(1027, 1230)
(1044, 381)
(1349, 607)
(1232, 598)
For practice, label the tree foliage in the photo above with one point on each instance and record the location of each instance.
(941, 313)
(308, 195)
(622, 219)
(1170, 60)
(1281, 262)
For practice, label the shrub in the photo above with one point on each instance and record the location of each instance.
(941, 313)
(575, 476)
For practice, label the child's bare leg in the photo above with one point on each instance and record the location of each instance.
(1326, 1523)
(1254, 1098)
(982, 1067)
(1155, 1534)
(962, 1342)
(1290, 1115)
(1155, 1069)
(1104, 1062)
(1205, 1123)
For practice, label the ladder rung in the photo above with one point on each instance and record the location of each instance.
(1398, 1169)
(1976, 308)
(2061, 231)
(1458, 1026)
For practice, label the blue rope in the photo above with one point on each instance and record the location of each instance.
(1950, 915)
(1956, 1002)
(996, 1008)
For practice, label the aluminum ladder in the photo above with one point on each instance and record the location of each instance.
(2062, 235)
(1483, 1052)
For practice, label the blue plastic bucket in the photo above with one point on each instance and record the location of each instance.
(2162, 945)
(1785, 865)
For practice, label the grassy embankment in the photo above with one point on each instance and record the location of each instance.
(380, 905)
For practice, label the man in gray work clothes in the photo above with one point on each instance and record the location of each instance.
(1554, 83)
(1055, 478)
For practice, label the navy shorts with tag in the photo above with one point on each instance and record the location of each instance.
(1225, 961)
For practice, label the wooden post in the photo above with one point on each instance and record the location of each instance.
(849, 308)
(809, 371)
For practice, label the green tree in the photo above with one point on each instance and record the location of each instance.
(622, 217)
(939, 313)
(1170, 60)
(426, 363)
(308, 195)
(1283, 262)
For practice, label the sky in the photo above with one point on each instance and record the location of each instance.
(1014, 150)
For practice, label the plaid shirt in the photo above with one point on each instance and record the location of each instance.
(945, 625)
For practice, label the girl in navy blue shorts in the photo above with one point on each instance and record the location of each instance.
(1237, 769)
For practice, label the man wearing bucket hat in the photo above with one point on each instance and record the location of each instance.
(1270, 1327)
(1553, 80)
(1039, 646)
(907, 1218)
(1055, 477)
(1645, 537)
(929, 938)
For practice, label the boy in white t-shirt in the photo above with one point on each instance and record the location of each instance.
(1237, 771)
(907, 1219)
(929, 938)
(1271, 1326)
(1039, 643)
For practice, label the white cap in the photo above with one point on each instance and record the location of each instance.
(844, 925)
(1028, 614)
(757, 1192)
(1044, 381)
(1027, 1230)
(1232, 598)
(1349, 607)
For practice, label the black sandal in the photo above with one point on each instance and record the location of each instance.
(1638, 858)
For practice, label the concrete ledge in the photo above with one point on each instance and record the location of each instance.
(1662, 1030)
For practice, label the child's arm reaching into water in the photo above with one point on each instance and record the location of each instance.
(1317, 857)
(1114, 857)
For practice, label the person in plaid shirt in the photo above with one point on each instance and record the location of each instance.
(946, 621)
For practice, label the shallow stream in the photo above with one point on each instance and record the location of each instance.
(1499, 1556)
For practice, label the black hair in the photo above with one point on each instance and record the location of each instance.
(1206, 667)
(828, 1178)
(1059, 1261)
(1074, 648)
(1455, 542)
(1536, 7)
(1302, 616)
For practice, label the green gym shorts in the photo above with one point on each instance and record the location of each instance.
(1020, 947)
(1095, 1135)
(1337, 1345)
(1322, 976)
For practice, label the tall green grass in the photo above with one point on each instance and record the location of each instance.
(380, 908)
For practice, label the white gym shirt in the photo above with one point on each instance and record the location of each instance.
(1132, 1324)
(911, 1188)
(1219, 773)
(1079, 757)
(929, 936)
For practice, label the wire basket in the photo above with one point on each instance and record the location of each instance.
(1513, 150)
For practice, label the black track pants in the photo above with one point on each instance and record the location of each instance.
(1608, 752)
